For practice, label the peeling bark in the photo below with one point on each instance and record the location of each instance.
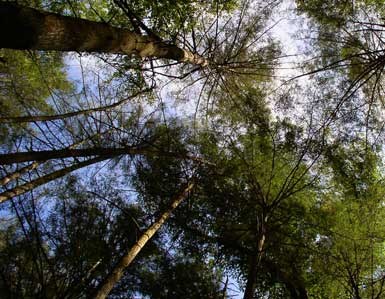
(116, 274)
(27, 28)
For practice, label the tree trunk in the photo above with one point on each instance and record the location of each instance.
(68, 153)
(15, 175)
(115, 275)
(27, 28)
(255, 260)
(251, 278)
(21, 157)
(19, 190)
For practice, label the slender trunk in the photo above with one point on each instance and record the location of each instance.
(255, 260)
(15, 175)
(32, 118)
(21, 157)
(67, 153)
(251, 278)
(27, 28)
(19, 190)
(224, 292)
(117, 272)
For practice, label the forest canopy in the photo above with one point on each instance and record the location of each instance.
(192, 149)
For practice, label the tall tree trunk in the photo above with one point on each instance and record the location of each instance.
(254, 262)
(68, 153)
(117, 272)
(87, 152)
(27, 28)
(251, 283)
(15, 175)
(19, 190)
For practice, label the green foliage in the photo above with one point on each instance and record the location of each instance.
(257, 177)
(166, 18)
(337, 13)
(181, 276)
(261, 178)
(349, 261)
(159, 177)
(348, 39)
(27, 81)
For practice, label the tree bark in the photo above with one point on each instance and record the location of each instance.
(21, 157)
(15, 175)
(255, 260)
(68, 152)
(27, 28)
(19, 190)
(117, 272)
(251, 278)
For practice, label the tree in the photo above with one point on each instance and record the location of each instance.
(257, 175)
(61, 251)
(249, 204)
(349, 262)
(349, 48)
(26, 81)
(148, 145)
(117, 272)
(47, 31)
(68, 250)
(286, 178)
